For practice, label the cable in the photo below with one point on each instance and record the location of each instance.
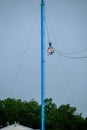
(67, 80)
(75, 52)
(47, 30)
(24, 53)
(80, 57)
(48, 19)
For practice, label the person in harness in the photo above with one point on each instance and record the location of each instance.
(50, 49)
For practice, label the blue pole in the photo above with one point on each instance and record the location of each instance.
(42, 64)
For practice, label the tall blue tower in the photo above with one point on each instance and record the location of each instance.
(42, 64)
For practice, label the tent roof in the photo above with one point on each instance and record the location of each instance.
(16, 127)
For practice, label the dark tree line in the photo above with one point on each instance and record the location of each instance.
(28, 114)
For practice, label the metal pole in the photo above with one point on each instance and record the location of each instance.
(42, 64)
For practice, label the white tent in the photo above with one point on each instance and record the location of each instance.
(16, 127)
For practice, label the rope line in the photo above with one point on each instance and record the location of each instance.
(47, 30)
(70, 57)
(75, 52)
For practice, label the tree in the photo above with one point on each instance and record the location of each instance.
(50, 111)
(2, 114)
(28, 113)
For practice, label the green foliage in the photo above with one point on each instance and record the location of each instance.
(29, 114)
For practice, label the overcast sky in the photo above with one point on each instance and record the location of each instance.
(20, 63)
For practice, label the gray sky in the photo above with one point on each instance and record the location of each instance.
(65, 79)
